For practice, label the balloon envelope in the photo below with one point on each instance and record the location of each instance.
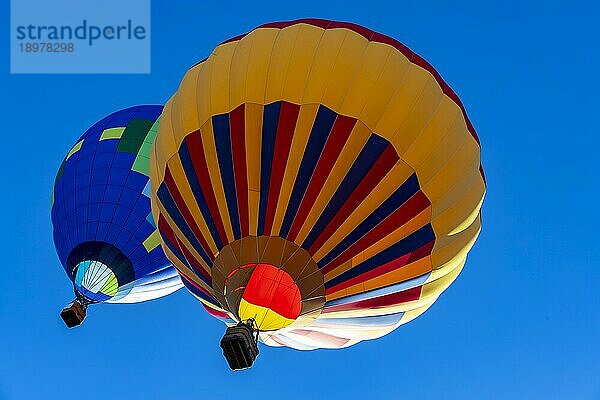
(319, 178)
(104, 233)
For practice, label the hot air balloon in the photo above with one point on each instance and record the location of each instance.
(317, 183)
(104, 233)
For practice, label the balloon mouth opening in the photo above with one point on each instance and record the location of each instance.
(95, 280)
(270, 297)
(99, 270)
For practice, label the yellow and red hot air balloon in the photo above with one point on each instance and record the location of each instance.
(318, 179)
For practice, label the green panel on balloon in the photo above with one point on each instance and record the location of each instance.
(134, 135)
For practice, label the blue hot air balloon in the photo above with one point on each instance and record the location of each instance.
(104, 233)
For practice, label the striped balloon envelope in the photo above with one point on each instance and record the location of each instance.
(318, 178)
(104, 233)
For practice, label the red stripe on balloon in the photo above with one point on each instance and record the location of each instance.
(403, 214)
(383, 165)
(200, 288)
(238, 145)
(196, 150)
(166, 230)
(193, 261)
(340, 132)
(405, 296)
(399, 262)
(288, 116)
(185, 212)
(216, 313)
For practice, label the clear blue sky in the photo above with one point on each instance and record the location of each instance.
(520, 322)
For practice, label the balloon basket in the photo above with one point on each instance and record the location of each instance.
(240, 345)
(73, 314)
